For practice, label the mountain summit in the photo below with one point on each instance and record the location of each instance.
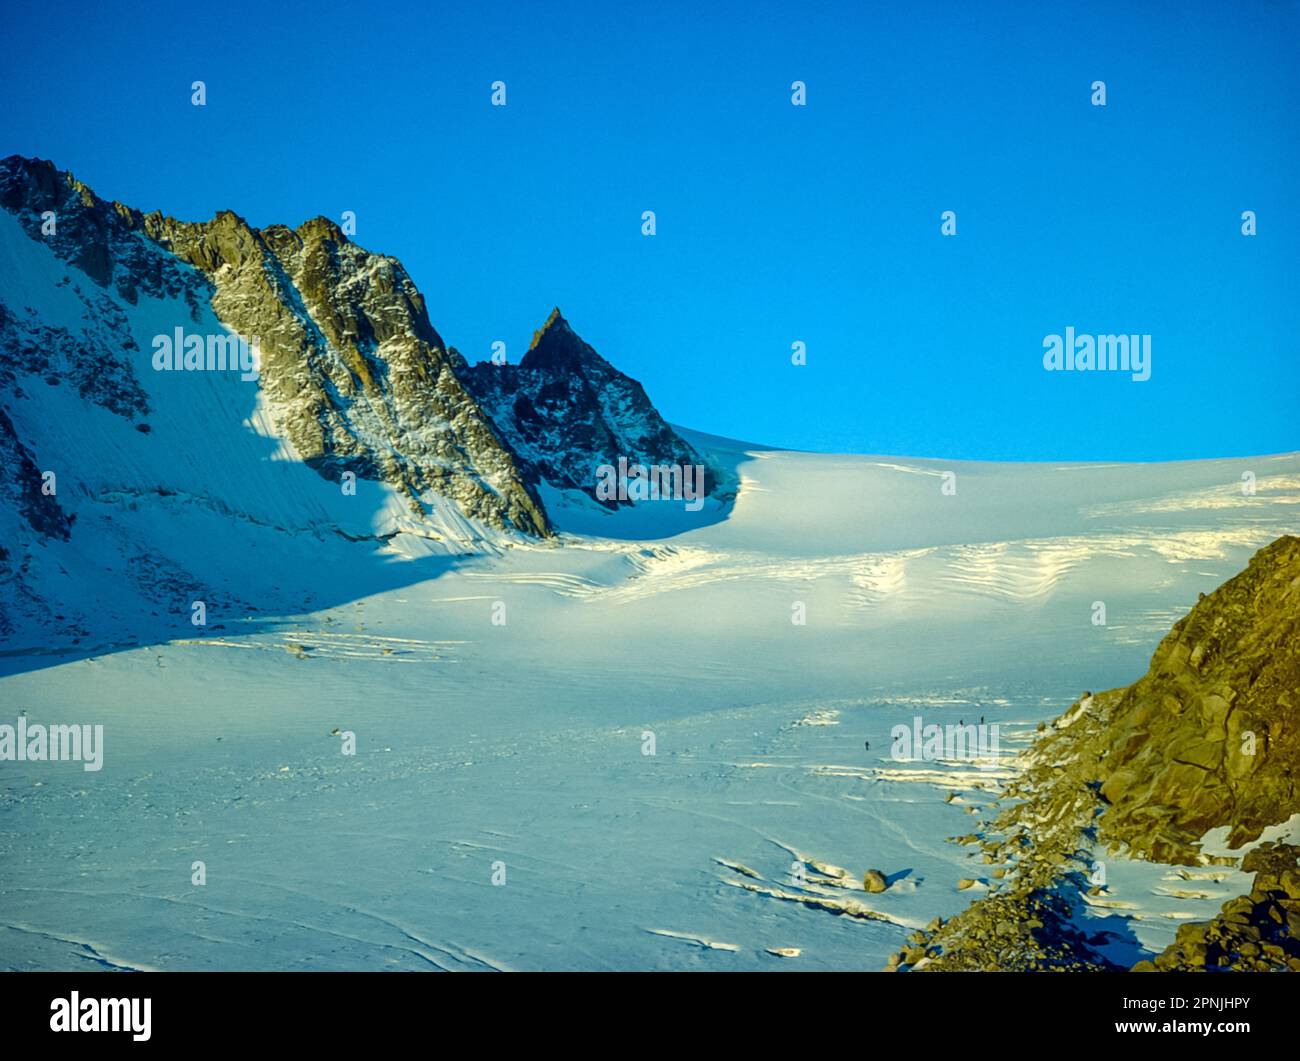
(556, 319)
(565, 411)
(123, 408)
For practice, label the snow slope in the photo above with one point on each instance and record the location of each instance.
(174, 507)
(519, 744)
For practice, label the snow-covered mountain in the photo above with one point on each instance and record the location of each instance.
(133, 437)
(660, 739)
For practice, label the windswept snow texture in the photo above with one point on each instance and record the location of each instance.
(516, 748)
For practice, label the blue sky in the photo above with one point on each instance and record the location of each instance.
(775, 223)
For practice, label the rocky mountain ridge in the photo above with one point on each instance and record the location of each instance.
(1208, 738)
(104, 457)
(356, 376)
(564, 409)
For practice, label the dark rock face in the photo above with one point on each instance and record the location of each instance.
(98, 238)
(93, 356)
(565, 410)
(22, 491)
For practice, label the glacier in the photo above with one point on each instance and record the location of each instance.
(500, 812)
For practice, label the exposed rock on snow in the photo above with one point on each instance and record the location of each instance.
(565, 411)
(1208, 738)
(1257, 932)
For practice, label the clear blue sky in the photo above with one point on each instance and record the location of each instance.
(775, 223)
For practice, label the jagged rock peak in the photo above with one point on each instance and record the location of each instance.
(321, 227)
(564, 410)
(355, 376)
(556, 319)
(557, 347)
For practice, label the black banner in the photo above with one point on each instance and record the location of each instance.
(338, 1010)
